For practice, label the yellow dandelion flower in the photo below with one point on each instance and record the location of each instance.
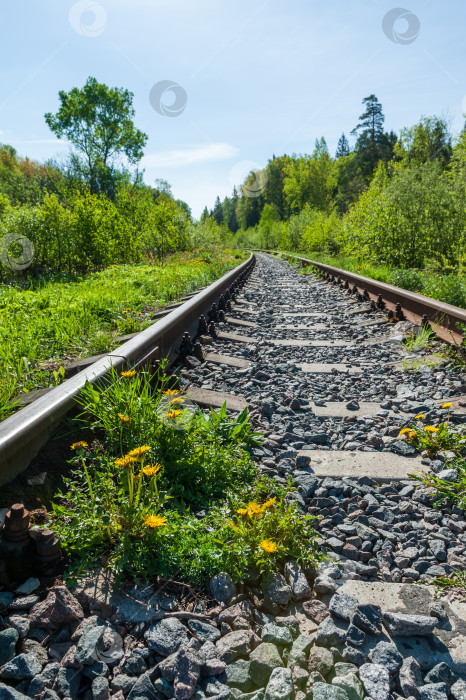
(139, 451)
(431, 429)
(179, 399)
(125, 461)
(242, 511)
(124, 419)
(171, 392)
(404, 431)
(268, 546)
(173, 414)
(151, 469)
(412, 435)
(79, 445)
(154, 521)
(421, 416)
(447, 405)
(129, 374)
(268, 504)
(254, 508)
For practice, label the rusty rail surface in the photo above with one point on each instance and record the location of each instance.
(24, 433)
(445, 319)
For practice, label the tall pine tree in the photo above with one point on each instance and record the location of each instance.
(217, 211)
(343, 148)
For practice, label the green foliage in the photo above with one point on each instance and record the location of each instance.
(261, 535)
(433, 439)
(75, 316)
(448, 492)
(98, 121)
(133, 495)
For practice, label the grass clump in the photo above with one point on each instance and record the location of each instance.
(162, 490)
(431, 438)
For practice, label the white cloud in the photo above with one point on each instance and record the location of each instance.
(180, 158)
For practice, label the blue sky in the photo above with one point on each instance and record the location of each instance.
(260, 76)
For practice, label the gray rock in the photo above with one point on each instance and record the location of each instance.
(342, 605)
(238, 675)
(351, 684)
(90, 645)
(24, 602)
(355, 637)
(67, 683)
(297, 581)
(368, 618)
(163, 687)
(122, 682)
(134, 665)
(222, 587)
(20, 624)
(280, 685)
(100, 689)
(8, 641)
(23, 666)
(433, 691)
(436, 609)
(281, 636)
(98, 669)
(329, 635)
(9, 693)
(6, 598)
(401, 625)
(322, 691)
(324, 585)
(277, 592)
(438, 549)
(387, 655)
(29, 586)
(458, 690)
(441, 673)
(213, 667)
(234, 644)
(410, 677)
(167, 636)
(143, 688)
(188, 670)
(376, 681)
(320, 660)
(264, 658)
(204, 631)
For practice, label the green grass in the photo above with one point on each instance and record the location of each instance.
(51, 322)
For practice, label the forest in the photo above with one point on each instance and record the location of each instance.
(394, 201)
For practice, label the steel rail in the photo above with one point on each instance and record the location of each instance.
(25, 432)
(444, 318)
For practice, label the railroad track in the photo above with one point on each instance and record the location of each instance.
(323, 377)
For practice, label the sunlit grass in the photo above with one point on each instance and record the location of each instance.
(44, 326)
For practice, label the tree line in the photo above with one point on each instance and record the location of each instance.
(93, 208)
(391, 198)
